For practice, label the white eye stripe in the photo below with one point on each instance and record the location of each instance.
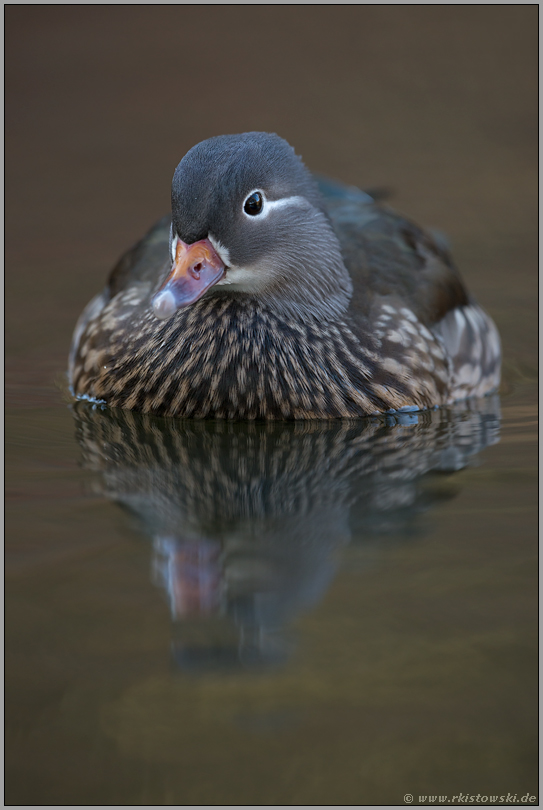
(273, 204)
(270, 205)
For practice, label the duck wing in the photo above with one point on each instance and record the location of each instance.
(139, 270)
(391, 259)
(146, 262)
(406, 287)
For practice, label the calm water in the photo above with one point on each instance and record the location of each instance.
(208, 613)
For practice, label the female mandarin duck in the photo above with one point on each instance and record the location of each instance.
(268, 297)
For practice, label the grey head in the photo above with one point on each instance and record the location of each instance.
(250, 201)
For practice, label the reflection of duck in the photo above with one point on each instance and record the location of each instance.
(284, 301)
(246, 518)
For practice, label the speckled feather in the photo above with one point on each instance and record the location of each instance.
(410, 336)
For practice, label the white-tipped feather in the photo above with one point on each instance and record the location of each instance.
(223, 252)
(173, 241)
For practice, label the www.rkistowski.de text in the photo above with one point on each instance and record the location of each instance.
(472, 798)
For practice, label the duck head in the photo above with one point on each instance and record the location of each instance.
(248, 221)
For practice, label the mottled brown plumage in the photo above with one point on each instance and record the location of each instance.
(329, 306)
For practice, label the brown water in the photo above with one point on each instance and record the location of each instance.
(211, 614)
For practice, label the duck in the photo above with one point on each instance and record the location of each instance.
(272, 293)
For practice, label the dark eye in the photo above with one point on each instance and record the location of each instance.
(253, 204)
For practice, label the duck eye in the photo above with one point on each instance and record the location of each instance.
(253, 204)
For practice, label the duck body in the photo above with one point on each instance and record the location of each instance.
(269, 295)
